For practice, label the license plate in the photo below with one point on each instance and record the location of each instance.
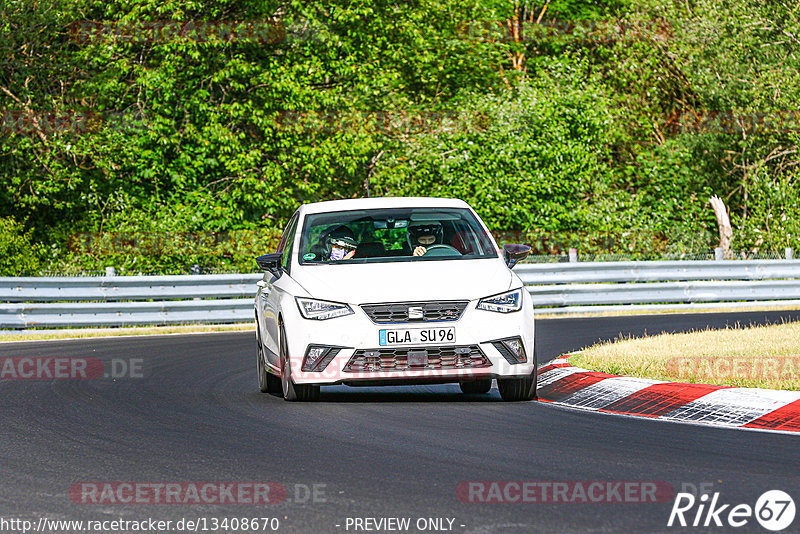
(417, 336)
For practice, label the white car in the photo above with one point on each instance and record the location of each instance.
(393, 291)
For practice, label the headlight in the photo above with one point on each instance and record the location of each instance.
(507, 302)
(322, 309)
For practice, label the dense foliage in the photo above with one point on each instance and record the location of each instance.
(131, 138)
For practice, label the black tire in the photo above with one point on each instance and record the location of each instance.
(520, 389)
(274, 383)
(267, 382)
(291, 391)
(476, 387)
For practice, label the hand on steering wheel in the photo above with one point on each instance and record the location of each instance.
(439, 250)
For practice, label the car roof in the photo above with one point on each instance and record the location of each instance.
(382, 202)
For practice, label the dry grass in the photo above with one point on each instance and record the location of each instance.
(541, 313)
(761, 356)
(76, 333)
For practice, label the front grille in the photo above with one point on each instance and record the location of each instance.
(398, 312)
(396, 359)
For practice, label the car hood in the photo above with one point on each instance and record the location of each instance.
(405, 281)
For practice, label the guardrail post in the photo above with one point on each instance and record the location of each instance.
(573, 255)
(718, 254)
(789, 253)
(110, 271)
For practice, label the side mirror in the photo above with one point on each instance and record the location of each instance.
(271, 263)
(515, 253)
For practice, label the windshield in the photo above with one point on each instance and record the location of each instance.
(393, 235)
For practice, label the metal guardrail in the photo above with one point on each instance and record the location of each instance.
(588, 286)
(118, 288)
(126, 300)
(87, 314)
(555, 287)
(656, 271)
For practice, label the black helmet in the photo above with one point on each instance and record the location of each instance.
(341, 236)
(423, 228)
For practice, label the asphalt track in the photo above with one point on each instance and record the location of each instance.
(379, 452)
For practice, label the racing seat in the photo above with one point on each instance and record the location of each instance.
(458, 241)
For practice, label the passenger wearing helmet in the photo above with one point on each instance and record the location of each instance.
(422, 235)
(340, 244)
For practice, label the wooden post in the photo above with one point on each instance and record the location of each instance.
(724, 224)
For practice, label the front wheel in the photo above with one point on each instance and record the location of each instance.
(520, 389)
(517, 389)
(292, 391)
(267, 382)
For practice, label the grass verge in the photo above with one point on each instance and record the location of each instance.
(758, 356)
(542, 313)
(76, 333)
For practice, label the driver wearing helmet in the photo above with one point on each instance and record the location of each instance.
(422, 235)
(341, 244)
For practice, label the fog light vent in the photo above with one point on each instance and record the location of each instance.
(512, 349)
(318, 357)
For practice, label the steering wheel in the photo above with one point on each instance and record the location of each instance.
(442, 250)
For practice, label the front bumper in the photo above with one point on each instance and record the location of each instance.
(356, 336)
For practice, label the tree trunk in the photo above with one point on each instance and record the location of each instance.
(724, 224)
